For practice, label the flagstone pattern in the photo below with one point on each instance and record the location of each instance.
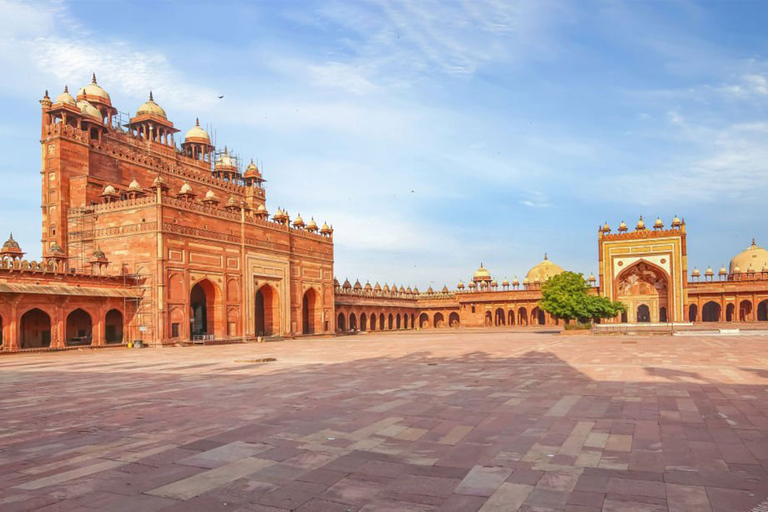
(454, 421)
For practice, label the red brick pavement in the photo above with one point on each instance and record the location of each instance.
(456, 421)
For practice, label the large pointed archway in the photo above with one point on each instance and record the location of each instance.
(35, 330)
(310, 312)
(267, 317)
(643, 284)
(79, 328)
(202, 311)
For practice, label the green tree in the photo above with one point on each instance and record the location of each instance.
(566, 296)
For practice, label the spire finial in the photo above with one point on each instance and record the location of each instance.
(545, 256)
(66, 88)
(753, 242)
(150, 96)
(46, 94)
(93, 81)
(11, 235)
(197, 121)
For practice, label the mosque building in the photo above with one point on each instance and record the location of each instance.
(144, 238)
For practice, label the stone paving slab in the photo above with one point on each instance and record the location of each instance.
(455, 421)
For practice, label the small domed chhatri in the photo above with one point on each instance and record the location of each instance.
(89, 110)
(623, 226)
(134, 185)
(94, 91)
(482, 274)
(197, 134)
(543, 271)
(640, 224)
(754, 256)
(65, 98)
(149, 107)
(659, 224)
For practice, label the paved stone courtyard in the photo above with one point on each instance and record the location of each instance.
(455, 421)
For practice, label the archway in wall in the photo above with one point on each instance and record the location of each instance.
(454, 320)
(381, 322)
(373, 321)
(352, 322)
(405, 321)
(522, 316)
(423, 321)
(391, 322)
(413, 320)
(643, 283)
(643, 313)
(745, 311)
(499, 317)
(663, 315)
(439, 322)
(762, 311)
(267, 317)
(729, 310)
(35, 329)
(1, 331)
(541, 317)
(511, 317)
(363, 322)
(710, 312)
(79, 328)
(309, 312)
(488, 319)
(693, 313)
(202, 302)
(341, 324)
(398, 321)
(113, 326)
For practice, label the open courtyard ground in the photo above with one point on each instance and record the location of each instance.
(461, 420)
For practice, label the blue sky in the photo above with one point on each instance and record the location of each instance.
(433, 134)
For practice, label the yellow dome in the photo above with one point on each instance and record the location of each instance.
(150, 107)
(89, 110)
(754, 256)
(210, 195)
(723, 271)
(709, 272)
(482, 274)
(312, 226)
(543, 271)
(659, 224)
(134, 185)
(66, 98)
(109, 190)
(696, 272)
(640, 224)
(186, 188)
(197, 133)
(623, 226)
(94, 91)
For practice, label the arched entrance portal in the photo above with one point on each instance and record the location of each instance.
(363, 322)
(729, 309)
(693, 313)
(373, 321)
(439, 321)
(453, 320)
(423, 321)
(643, 284)
(499, 317)
(309, 313)
(341, 325)
(202, 318)
(522, 316)
(113, 326)
(762, 311)
(35, 329)
(267, 311)
(352, 322)
(710, 312)
(79, 328)
(745, 311)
